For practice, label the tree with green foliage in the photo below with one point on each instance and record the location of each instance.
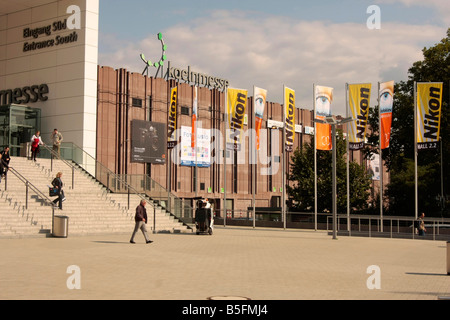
(302, 174)
(400, 193)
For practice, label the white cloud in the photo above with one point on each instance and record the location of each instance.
(271, 52)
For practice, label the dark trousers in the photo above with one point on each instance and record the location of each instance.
(60, 198)
(34, 153)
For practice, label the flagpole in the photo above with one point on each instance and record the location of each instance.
(254, 157)
(283, 195)
(315, 158)
(225, 161)
(381, 160)
(195, 142)
(415, 153)
(348, 162)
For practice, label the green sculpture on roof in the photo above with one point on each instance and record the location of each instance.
(160, 64)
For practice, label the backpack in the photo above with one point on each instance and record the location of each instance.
(417, 224)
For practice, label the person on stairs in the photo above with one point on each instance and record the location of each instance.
(36, 141)
(3, 166)
(58, 184)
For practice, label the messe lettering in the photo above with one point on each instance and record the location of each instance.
(24, 95)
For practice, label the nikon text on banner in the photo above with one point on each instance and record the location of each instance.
(172, 121)
(359, 101)
(236, 108)
(289, 107)
(429, 104)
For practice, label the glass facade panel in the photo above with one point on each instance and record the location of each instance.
(17, 126)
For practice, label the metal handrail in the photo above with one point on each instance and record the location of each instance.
(70, 165)
(126, 184)
(116, 177)
(31, 186)
(73, 167)
(410, 221)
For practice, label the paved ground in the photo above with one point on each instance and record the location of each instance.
(260, 264)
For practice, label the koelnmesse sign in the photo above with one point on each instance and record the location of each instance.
(196, 78)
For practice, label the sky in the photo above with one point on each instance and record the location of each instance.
(271, 44)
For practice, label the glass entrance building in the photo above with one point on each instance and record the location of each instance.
(17, 125)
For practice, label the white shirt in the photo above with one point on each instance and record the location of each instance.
(34, 137)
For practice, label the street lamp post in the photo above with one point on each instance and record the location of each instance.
(333, 122)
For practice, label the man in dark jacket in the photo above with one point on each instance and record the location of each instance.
(141, 221)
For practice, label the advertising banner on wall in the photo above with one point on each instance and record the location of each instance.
(386, 96)
(148, 142)
(237, 105)
(260, 97)
(323, 98)
(359, 103)
(374, 167)
(429, 104)
(289, 107)
(188, 156)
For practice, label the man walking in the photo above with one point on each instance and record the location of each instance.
(141, 220)
(57, 139)
(421, 225)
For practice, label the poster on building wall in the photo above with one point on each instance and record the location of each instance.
(188, 157)
(373, 168)
(148, 142)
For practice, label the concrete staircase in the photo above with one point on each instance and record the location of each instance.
(90, 208)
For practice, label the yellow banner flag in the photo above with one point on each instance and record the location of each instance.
(429, 107)
(236, 107)
(172, 121)
(359, 102)
(289, 107)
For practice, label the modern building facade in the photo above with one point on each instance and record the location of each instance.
(124, 97)
(48, 60)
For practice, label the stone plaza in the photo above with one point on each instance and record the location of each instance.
(258, 264)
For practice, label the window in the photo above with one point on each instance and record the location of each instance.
(135, 102)
(185, 111)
